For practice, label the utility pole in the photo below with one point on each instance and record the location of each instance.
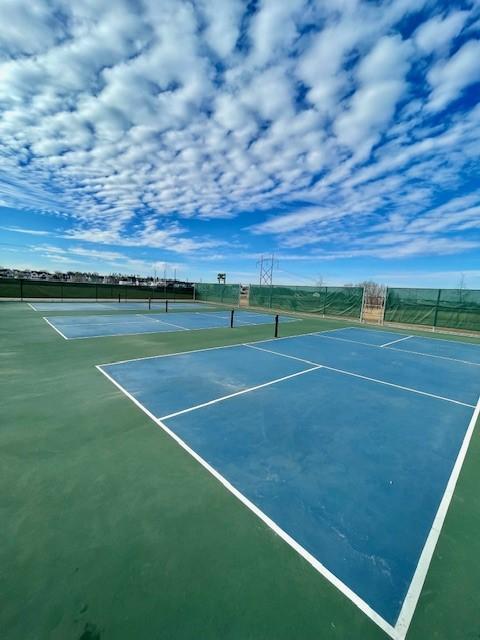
(267, 265)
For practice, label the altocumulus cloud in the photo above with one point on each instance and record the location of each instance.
(357, 124)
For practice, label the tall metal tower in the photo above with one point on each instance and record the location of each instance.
(267, 265)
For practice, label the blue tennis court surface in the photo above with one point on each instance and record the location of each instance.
(141, 305)
(98, 326)
(347, 443)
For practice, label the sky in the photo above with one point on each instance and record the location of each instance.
(195, 136)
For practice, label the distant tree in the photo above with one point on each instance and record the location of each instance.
(374, 293)
(372, 288)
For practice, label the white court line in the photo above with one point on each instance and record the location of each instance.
(239, 393)
(413, 593)
(211, 314)
(428, 335)
(55, 329)
(142, 333)
(238, 321)
(433, 355)
(94, 324)
(242, 323)
(358, 375)
(170, 324)
(341, 586)
(31, 306)
(120, 335)
(417, 353)
(387, 344)
(222, 346)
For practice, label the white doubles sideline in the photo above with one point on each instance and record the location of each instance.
(416, 585)
(399, 631)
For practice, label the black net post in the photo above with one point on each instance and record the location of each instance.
(276, 326)
(232, 313)
(119, 297)
(166, 305)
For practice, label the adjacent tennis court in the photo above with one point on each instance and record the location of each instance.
(347, 443)
(116, 306)
(98, 326)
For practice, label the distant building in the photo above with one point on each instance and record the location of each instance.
(90, 277)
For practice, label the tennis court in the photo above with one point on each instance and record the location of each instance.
(348, 443)
(116, 306)
(98, 326)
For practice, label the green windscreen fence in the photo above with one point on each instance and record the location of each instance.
(447, 308)
(226, 293)
(329, 301)
(22, 288)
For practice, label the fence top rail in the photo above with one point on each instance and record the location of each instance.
(431, 289)
(304, 286)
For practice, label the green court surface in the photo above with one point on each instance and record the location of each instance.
(112, 531)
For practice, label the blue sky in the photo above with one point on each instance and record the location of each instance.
(196, 135)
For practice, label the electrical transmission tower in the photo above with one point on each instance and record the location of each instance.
(267, 265)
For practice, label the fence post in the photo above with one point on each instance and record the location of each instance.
(381, 320)
(325, 301)
(363, 306)
(436, 310)
(271, 296)
(21, 289)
